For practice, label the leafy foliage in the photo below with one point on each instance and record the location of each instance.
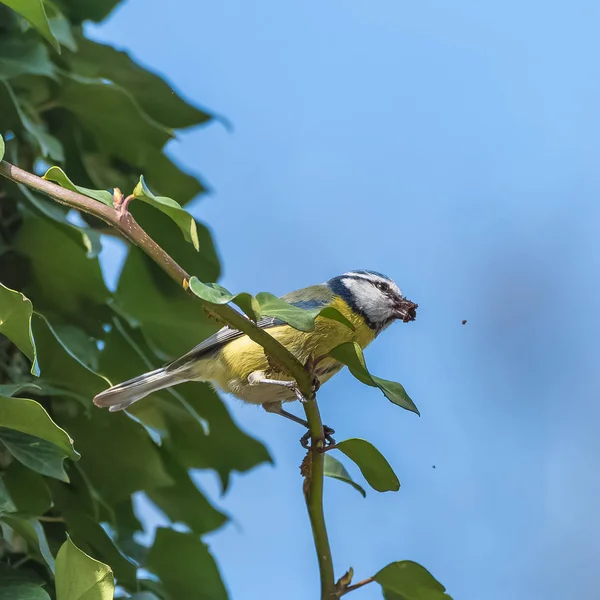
(64, 335)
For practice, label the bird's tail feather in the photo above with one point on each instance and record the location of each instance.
(124, 394)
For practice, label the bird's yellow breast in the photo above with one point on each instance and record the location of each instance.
(230, 367)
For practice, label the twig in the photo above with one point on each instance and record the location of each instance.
(21, 561)
(351, 588)
(123, 222)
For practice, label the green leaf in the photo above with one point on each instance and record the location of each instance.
(25, 55)
(113, 118)
(27, 416)
(298, 318)
(249, 305)
(184, 502)
(64, 281)
(80, 577)
(37, 454)
(152, 92)
(268, 305)
(57, 175)
(79, 343)
(372, 464)
(2, 147)
(60, 27)
(6, 502)
(86, 236)
(128, 462)
(10, 116)
(20, 584)
(173, 321)
(211, 292)
(12, 389)
(204, 264)
(185, 566)
(336, 470)
(33, 11)
(27, 489)
(61, 368)
(96, 11)
(172, 209)
(272, 306)
(33, 438)
(410, 581)
(50, 146)
(15, 323)
(217, 294)
(170, 179)
(32, 532)
(226, 448)
(329, 312)
(11, 576)
(23, 591)
(88, 534)
(350, 354)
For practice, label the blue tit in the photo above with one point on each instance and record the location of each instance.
(231, 361)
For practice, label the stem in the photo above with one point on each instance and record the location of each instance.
(21, 561)
(313, 495)
(123, 222)
(351, 588)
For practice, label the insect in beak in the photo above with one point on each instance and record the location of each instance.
(406, 310)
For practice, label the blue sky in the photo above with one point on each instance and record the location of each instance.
(453, 146)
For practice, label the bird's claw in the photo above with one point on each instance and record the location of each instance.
(329, 441)
(314, 386)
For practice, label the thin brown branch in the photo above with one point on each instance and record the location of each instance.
(358, 585)
(127, 226)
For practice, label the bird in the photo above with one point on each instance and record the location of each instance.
(234, 363)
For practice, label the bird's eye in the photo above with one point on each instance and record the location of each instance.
(382, 286)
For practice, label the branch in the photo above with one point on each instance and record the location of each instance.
(128, 227)
(351, 588)
(123, 222)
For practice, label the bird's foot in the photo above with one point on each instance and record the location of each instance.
(329, 441)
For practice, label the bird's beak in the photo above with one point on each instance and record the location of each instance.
(406, 310)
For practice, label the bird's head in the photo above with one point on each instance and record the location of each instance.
(374, 296)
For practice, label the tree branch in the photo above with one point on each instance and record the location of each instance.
(128, 227)
(351, 588)
(124, 223)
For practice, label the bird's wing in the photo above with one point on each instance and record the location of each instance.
(307, 298)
